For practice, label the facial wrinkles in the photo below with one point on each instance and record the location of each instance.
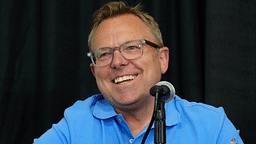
(110, 34)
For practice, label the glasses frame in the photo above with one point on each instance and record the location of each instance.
(90, 54)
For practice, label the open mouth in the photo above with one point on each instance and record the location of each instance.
(124, 79)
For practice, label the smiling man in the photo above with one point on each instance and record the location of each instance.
(132, 69)
(128, 58)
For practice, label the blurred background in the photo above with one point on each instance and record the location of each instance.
(44, 67)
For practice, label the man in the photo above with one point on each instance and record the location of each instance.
(128, 58)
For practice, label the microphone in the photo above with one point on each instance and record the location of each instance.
(165, 90)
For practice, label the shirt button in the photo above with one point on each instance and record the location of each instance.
(131, 140)
(120, 120)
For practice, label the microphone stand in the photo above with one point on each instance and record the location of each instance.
(159, 112)
(160, 125)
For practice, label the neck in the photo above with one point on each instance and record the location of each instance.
(138, 118)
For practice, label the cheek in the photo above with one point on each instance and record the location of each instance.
(101, 74)
(150, 65)
(152, 62)
(102, 80)
(154, 69)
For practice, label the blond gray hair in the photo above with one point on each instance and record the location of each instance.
(119, 8)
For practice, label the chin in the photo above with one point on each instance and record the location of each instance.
(130, 102)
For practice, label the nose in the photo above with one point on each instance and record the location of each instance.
(118, 60)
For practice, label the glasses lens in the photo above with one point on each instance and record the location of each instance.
(132, 49)
(102, 56)
(129, 50)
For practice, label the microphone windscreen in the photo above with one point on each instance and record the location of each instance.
(171, 88)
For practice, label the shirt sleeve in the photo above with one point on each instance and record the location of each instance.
(228, 133)
(58, 134)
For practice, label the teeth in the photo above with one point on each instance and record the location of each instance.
(124, 78)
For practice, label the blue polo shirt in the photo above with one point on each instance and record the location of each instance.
(94, 121)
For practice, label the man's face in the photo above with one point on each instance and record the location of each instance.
(142, 73)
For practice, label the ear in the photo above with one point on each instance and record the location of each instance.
(164, 59)
(92, 68)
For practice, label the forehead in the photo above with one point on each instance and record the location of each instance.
(114, 31)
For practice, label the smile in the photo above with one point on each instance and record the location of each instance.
(124, 79)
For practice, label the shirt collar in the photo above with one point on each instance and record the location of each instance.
(104, 110)
(171, 113)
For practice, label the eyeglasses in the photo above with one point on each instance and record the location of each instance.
(129, 50)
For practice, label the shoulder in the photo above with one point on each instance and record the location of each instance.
(203, 122)
(200, 114)
(196, 107)
(83, 108)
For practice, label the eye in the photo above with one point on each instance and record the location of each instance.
(132, 47)
(104, 54)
